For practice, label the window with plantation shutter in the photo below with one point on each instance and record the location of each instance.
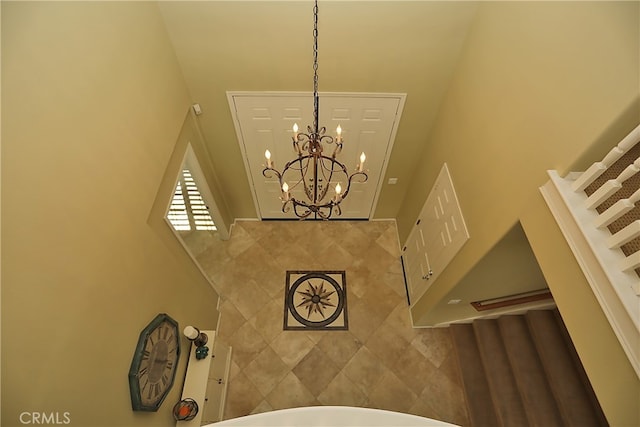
(188, 211)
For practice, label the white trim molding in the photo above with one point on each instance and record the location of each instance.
(614, 289)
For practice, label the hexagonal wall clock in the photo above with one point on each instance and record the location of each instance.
(154, 364)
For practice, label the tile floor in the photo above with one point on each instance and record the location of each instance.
(380, 362)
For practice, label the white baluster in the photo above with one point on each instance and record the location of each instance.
(610, 187)
(630, 170)
(630, 140)
(625, 235)
(596, 169)
(631, 262)
(616, 210)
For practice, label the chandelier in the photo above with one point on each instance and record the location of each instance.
(314, 170)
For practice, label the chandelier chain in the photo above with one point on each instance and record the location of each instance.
(313, 169)
(315, 68)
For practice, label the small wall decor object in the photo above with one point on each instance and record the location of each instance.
(202, 352)
(154, 364)
(185, 410)
(198, 338)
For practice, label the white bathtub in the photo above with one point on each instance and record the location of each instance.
(330, 416)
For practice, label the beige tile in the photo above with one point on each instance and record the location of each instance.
(392, 394)
(199, 241)
(292, 346)
(295, 257)
(400, 321)
(290, 393)
(241, 241)
(451, 368)
(364, 369)
(242, 397)
(339, 346)
(434, 343)
(379, 299)
(387, 345)
(388, 240)
(354, 240)
(446, 397)
(378, 259)
(358, 279)
(396, 267)
(264, 406)
(280, 238)
(234, 369)
(269, 320)
(249, 273)
(213, 259)
(230, 319)
(256, 229)
(375, 228)
(317, 335)
(229, 275)
(342, 392)
(363, 320)
(321, 242)
(264, 271)
(335, 230)
(335, 257)
(395, 281)
(249, 307)
(413, 368)
(316, 371)
(266, 370)
(247, 343)
(424, 408)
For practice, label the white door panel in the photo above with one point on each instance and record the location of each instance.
(264, 121)
(439, 233)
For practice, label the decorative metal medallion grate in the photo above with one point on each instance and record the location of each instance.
(315, 300)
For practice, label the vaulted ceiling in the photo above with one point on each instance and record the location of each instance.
(407, 47)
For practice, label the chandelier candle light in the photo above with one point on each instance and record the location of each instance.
(312, 169)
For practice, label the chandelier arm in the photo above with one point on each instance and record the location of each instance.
(305, 138)
(311, 206)
(324, 216)
(333, 161)
(302, 169)
(296, 144)
(304, 214)
(327, 180)
(351, 177)
(271, 170)
(331, 171)
(286, 206)
(291, 165)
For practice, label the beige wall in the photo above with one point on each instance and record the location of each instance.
(537, 85)
(527, 97)
(372, 47)
(508, 268)
(613, 378)
(92, 104)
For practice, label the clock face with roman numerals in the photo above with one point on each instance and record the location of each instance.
(154, 363)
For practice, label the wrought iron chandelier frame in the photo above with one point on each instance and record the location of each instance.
(311, 160)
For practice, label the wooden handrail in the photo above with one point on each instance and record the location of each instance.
(516, 299)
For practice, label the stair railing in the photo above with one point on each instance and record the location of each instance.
(597, 213)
